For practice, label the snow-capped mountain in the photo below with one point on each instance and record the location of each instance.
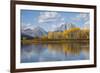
(28, 32)
(39, 32)
(36, 32)
(65, 27)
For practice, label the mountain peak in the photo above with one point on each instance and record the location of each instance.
(65, 27)
(36, 32)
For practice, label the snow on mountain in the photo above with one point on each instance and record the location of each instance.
(36, 32)
(65, 27)
(39, 32)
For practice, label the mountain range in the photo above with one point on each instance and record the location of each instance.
(65, 27)
(39, 32)
(31, 33)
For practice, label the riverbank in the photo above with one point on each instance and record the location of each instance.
(36, 41)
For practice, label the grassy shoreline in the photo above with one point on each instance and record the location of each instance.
(54, 41)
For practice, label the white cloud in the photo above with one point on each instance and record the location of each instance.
(62, 19)
(54, 18)
(82, 16)
(26, 26)
(47, 17)
(86, 25)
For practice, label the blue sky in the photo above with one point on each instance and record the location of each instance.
(49, 20)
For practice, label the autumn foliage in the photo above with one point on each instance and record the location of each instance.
(73, 33)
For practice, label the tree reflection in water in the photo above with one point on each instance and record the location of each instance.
(54, 52)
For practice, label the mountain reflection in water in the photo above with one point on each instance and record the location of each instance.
(54, 52)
